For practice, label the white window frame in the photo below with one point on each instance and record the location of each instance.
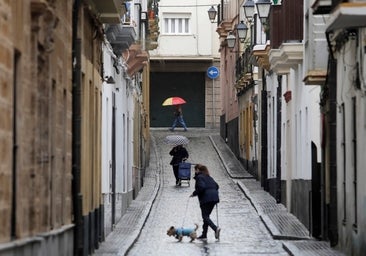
(177, 24)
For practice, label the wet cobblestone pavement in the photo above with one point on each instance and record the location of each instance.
(251, 221)
(243, 232)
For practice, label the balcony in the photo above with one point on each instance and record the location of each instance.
(286, 23)
(316, 63)
(243, 69)
(285, 29)
(108, 11)
(153, 31)
(261, 53)
(347, 15)
(120, 36)
(288, 56)
(321, 7)
(224, 22)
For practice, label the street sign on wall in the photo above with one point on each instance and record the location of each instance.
(213, 72)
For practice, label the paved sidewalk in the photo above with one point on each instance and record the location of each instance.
(128, 229)
(281, 224)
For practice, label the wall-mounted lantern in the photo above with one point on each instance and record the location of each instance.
(230, 40)
(242, 31)
(212, 14)
(249, 8)
(263, 8)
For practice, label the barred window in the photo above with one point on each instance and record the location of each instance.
(176, 26)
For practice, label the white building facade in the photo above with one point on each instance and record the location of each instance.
(346, 34)
(187, 47)
(289, 111)
(117, 153)
(125, 137)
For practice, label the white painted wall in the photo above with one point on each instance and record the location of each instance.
(301, 119)
(124, 102)
(107, 91)
(272, 84)
(306, 98)
(351, 144)
(300, 124)
(124, 107)
(201, 39)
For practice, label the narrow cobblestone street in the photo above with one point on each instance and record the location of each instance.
(252, 222)
(243, 233)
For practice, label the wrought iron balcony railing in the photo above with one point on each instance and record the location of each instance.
(243, 68)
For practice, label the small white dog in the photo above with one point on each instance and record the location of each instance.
(180, 232)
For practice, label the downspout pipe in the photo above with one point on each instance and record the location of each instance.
(329, 44)
(278, 142)
(332, 149)
(76, 131)
(264, 138)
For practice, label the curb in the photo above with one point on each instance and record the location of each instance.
(148, 204)
(129, 227)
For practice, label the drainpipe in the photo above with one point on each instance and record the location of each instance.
(76, 132)
(264, 138)
(330, 214)
(332, 147)
(278, 142)
(13, 220)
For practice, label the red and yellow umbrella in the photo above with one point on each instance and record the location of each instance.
(173, 101)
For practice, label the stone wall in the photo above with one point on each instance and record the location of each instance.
(35, 120)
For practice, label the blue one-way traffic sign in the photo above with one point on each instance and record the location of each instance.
(212, 72)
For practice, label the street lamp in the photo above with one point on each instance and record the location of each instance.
(212, 14)
(249, 10)
(230, 40)
(263, 8)
(242, 30)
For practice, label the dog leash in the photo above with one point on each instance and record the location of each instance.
(185, 212)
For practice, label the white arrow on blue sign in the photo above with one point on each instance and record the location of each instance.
(213, 72)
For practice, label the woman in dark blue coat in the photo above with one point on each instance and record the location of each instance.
(207, 191)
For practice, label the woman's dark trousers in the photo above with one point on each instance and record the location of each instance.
(175, 170)
(206, 210)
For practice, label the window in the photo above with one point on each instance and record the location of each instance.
(176, 25)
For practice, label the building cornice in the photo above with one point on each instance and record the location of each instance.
(315, 77)
(223, 30)
(110, 12)
(261, 53)
(347, 15)
(244, 81)
(288, 56)
(137, 59)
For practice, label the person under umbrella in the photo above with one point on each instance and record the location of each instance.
(178, 118)
(179, 154)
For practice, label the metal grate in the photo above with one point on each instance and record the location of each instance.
(310, 248)
(288, 225)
